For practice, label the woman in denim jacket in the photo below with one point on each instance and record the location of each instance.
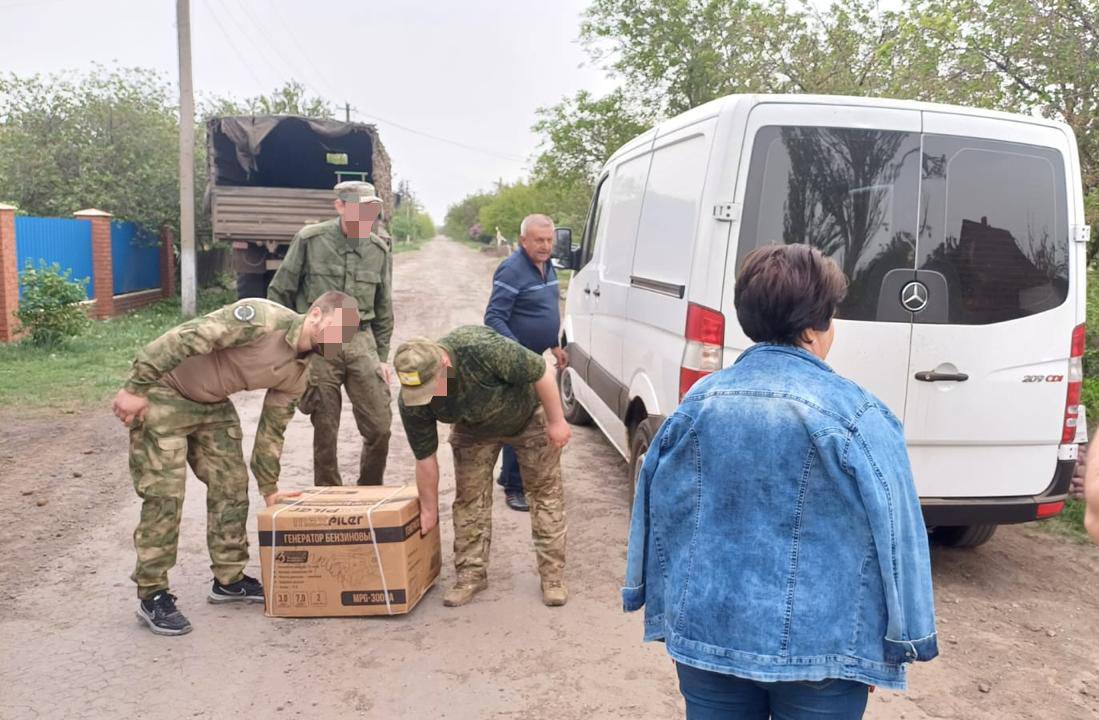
(777, 542)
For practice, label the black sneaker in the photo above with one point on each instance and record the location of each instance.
(160, 614)
(517, 500)
(247, 589)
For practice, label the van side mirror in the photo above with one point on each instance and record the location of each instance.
(562, 247)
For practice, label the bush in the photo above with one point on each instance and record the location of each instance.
(49, 310)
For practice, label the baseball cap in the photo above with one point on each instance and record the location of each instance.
(417, 362)
(356, 191)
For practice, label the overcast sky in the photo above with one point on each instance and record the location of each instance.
(470, 72)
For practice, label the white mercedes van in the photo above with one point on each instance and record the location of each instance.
(961, 232)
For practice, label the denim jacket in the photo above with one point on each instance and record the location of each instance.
(776, 533)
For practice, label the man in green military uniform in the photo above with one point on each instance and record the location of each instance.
(344, 254)
(176, 404)
(495, 392)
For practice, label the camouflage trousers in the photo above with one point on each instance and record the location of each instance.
(358, 368)
(540, 465)
(176, 433)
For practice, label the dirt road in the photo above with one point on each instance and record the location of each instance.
(1019, 618)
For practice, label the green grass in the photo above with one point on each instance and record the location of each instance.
(1070, 523)
(400, 246)
(90, 368)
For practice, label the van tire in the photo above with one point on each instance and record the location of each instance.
(575, 413)
(639, 446)
(963, 536)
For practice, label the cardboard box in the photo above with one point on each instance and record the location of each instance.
(339, 551)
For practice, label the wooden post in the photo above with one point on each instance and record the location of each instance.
(102, 266)
(9, 275)
(187, 279)
(167, 262)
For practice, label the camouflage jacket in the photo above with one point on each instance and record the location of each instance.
(490, 392)
(249, 345)
(322, 258)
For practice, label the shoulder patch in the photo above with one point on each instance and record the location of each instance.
(244, 313)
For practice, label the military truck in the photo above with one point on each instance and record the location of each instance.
(271, 174)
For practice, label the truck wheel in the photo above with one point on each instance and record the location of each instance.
(639, 446)
(963, 536)
(575, 413)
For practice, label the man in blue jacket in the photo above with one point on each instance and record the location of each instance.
(524, 306)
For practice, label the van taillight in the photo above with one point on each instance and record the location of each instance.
(1075, 384)
(1046, 510)
(705, 335)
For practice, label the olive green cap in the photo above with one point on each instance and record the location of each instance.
(417, 362)
(356, 191)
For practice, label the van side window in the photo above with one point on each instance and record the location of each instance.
(995, 226)
(597, 221)
(623, 212)
(850, 192)
(670, 213)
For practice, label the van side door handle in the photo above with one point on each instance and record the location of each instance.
(587, 290)
(596, 292)
(932, 376)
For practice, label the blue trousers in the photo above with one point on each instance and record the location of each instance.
(510, 479)
(714, 696)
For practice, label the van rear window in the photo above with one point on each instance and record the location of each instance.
(849, 192)
(995, 226)
(985, 222)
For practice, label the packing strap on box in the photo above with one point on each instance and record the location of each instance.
(373, 536)
(377, 553)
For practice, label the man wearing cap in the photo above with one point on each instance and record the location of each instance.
(525, 306)
(176, 404)
(494, 392)
(345, 254)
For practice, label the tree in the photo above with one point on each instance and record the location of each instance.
(511, 204)
(1039, 56)
(109, 138)
(290, 99)
(461, 218)
(1024, 56)
(411, 221)
(581, 132)
(106, 139)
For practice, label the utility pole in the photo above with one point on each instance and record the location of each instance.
(347, 111)
(188, 290)
(408, 220)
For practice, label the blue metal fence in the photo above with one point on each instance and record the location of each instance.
(55, 240)
(135, 258)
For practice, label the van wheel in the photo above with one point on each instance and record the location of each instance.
(963, 536)
(575, 413)
(639, 447)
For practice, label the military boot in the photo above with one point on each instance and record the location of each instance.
(464, 589)
(554, 593)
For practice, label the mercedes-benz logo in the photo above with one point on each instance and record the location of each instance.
(914, 296)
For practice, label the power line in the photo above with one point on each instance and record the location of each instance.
(326, 88)
(439, 138)
(263, 48)
(231, 44)
(259, 49)
(285, 26)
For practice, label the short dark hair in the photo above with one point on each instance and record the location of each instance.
(333, 299)
(784, 290)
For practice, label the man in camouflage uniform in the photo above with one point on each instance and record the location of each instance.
(495, 392)
(344, 254)
(176, 404)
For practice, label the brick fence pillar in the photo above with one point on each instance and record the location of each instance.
(167, 262)
(102, 269)
(9, 275)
